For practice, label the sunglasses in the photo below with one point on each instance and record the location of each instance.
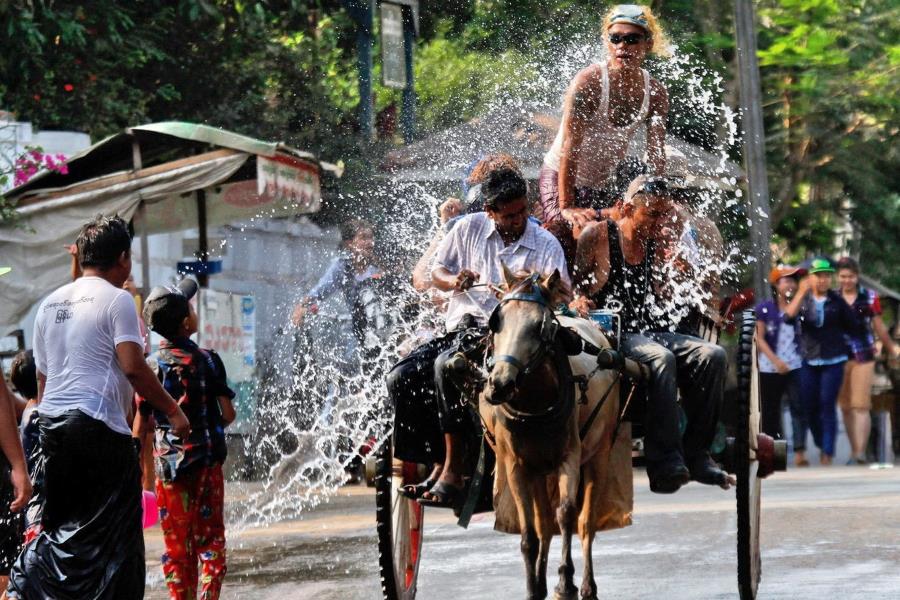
(654, 187)
(630, 39)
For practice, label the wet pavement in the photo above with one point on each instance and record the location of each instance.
(826, 532)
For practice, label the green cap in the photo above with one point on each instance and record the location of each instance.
(5, 270)
(821, 265)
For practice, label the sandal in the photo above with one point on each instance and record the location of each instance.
(414, 491)
(444, 496)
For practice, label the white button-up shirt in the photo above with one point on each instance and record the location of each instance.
(475, 244)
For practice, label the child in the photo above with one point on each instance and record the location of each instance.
(189, 485)
(23, 376)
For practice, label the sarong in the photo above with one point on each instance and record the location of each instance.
(91, 545)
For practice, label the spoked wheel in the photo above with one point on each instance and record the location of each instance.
(399, 524)
(746, 466)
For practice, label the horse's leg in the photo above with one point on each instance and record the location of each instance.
(520, 486)
(544, 520)
(586, 531)
(565, 517)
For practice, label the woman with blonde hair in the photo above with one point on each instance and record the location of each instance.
(605, 106)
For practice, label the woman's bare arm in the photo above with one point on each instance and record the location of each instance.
(881, 331)
(580, 103)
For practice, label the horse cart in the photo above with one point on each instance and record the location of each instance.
(749, 455)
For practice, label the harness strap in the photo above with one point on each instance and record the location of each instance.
(468, 509)
(621, 416)
(590, 420)
(509, 358)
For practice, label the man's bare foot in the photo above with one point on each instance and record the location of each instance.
(800, 459)
(825, 460)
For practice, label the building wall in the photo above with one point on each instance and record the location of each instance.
(15, 136)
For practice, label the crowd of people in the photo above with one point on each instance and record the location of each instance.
(613, 231)
(90, 396)
(817, 347)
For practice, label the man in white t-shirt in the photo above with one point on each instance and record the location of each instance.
(467, 266)
(89, 355)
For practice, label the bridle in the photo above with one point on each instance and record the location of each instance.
(560, 410)
(549, 326)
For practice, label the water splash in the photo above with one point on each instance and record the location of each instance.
(317, 406)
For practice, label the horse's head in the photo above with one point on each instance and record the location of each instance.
(523, 329)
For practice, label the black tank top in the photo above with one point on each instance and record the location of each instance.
(628, 284)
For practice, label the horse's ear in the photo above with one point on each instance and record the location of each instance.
(552, 280)
(508, 276)
(556, 288)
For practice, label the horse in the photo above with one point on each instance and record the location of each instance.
(532, 418)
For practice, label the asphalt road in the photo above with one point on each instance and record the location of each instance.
(826, 533)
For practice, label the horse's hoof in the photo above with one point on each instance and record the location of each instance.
(566, 595)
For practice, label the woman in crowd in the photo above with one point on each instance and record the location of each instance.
(605, 106)
(780, 360)
(855, 398)
(825, 318)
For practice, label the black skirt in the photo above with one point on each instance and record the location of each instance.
(92, 543)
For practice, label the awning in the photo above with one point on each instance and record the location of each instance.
(879, 288)
(162, 167)
(527, 133)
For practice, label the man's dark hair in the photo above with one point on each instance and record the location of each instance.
(849, 264)
(23, 374)
(502, 186)
(165, 315)
(102, 241)
(350, 229)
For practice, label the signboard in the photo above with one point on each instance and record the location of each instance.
(288, 180)
(393, 55)
(227, 324)
(285, 186)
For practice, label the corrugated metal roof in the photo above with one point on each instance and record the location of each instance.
(158, 143)
(880, 288)
(527, 133)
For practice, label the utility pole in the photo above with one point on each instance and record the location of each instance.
(362, 13)
(754, 144)
(410, 29)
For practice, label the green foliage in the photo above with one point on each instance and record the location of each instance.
(285, 69)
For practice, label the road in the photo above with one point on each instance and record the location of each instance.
(826, 532)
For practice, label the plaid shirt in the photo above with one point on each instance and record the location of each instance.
(861, 343)
(195, 378)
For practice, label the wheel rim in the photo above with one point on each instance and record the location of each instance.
(406, 529)
(746, 467)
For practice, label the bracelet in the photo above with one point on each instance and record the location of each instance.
(174, 410)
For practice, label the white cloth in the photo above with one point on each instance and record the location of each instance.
(76, 332)
(787, 351)
(35, 251)
(475, 244)
(604, 144)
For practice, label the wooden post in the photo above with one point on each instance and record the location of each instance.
(754, 145)
(137, 165)
(202, 239)
(145, 249)
(408, 116)
(362, 12)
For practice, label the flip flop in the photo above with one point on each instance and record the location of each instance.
(414, 491)
(445, 496)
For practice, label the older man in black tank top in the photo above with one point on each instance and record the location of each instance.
(616, 261)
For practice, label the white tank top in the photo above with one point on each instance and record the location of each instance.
(606, 143)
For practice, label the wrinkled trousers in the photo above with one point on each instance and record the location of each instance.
(190, 510)
(695, 366)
